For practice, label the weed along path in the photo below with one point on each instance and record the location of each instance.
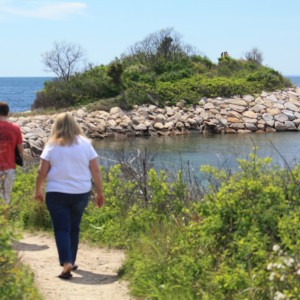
(95, 279)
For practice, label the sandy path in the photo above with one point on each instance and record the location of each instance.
(96, 277)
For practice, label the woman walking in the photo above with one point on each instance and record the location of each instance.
(68, 163)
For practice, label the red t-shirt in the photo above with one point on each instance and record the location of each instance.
(10, 136)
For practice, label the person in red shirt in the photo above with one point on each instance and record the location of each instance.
(10, 138)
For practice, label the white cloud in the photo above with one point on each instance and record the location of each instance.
(42, 10)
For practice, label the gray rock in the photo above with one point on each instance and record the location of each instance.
(249, 120)
(272, 98)
(238, 102)
(250, 126)
(258, 108)
(290, 125)
(237, 126)
(237, 108)
(248, 98)
(140, 127)
(208, 106)
(158, 125)
(281, 118)
(291, 106)
(280, 126)
(115, 110)
(290, 114)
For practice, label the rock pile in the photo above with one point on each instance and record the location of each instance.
(268, 112)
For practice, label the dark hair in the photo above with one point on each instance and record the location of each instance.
(4, 109)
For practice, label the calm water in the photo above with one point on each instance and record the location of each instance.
(198, 149)
(294, 79)
(19, 92)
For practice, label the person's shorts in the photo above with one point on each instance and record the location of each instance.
(7, 179)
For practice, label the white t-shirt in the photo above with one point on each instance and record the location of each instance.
(69, 166)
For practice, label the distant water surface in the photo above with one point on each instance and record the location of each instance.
(294, 79)
(20, 92)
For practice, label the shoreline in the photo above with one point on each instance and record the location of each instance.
(268, 112)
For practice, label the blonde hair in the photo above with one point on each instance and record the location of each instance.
(64, 130)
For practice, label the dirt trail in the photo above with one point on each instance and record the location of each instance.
(96, 277)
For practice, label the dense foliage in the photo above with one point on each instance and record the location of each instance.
(162, 69)
(16, 281)
(238, 240)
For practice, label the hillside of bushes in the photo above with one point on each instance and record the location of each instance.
(160, 70)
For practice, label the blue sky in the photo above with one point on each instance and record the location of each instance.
(106, 28)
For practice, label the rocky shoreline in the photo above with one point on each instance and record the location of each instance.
(268, 112)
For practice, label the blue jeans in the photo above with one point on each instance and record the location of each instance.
(66, 211)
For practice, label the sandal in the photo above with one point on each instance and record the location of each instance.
(65, 275)
(75, 267)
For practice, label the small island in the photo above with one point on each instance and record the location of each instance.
(162, 86)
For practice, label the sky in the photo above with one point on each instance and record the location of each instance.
(105, 29)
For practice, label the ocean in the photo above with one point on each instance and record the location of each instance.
(295, 80)
(20, 92)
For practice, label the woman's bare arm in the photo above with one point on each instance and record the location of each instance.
(96, 174)
(43, 170)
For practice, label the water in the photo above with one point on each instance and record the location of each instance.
(20, 92)
(195, 150)
(295, 80)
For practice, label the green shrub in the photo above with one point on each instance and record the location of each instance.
(25, 210)
(194, 88)
(268, 79)
(83, 88)
(140, 93)
(225, 250)
(16, 281)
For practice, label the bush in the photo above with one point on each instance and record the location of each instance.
(140, 93)
(25, 210)
(268, 79)
(226, 249)
(16, 281)
(56, 94)
(196, 87)
(87, 87)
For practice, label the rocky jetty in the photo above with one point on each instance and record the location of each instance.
(268, 112)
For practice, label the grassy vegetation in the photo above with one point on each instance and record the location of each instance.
(239, 240)
(16, 280)
(161, 69)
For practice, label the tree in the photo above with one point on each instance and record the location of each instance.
(254, 55)
(115, 71)
(164, 48)
(64, 59)
(166, 44)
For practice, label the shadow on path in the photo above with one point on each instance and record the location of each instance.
(19, 246)
(91, 278)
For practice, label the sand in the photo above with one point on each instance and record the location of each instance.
(96, 277)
